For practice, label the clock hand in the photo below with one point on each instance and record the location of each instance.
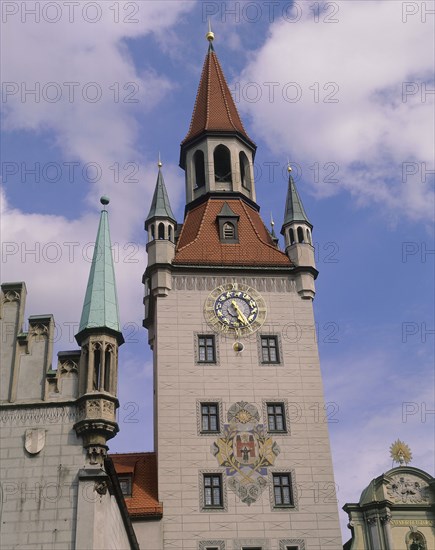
(240, 314)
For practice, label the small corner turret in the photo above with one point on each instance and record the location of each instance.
(99, 337)
(160, 226)
(297, 232)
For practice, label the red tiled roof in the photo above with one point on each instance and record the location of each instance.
(143, 466)
(214, 108)
(199, 241)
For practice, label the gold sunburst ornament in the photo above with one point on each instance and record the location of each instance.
(400, 452)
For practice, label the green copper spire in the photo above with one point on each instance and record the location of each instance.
(294, 210)
(160, 205)
(100, 308)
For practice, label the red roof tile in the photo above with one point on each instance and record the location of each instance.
(199, 241)
(214, 108)
(143, 466)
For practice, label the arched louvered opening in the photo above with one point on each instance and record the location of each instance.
(222, 164)
(291, 236)
(161, 231)
(245, 173)
(199, 166)
(229, 231)
(107, 369)
(300, 232)
(96, 379)
(170, 234)
(153, 232)
(308, 236)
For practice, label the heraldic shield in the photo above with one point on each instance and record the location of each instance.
(34, 440)
(245, 450)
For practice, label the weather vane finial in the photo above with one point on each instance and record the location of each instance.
(210, 33)
(159, 163)
(400, 452)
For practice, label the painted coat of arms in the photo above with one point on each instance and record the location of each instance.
(245, 450)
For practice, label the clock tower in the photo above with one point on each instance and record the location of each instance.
(241, 438)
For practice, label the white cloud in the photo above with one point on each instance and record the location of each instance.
(362, 61)
(372, 414)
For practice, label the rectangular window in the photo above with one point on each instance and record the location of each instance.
(125, 484)
(282, 490)
(269, 349)
(213, 491)
(292, 548)
(209, 417)
(206, 349)
(276, 417)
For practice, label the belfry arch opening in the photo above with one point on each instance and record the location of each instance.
(245, 173)
(222, 164)
(199, 168)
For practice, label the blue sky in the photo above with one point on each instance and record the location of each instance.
(343, 92)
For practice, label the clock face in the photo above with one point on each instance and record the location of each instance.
(235, 308)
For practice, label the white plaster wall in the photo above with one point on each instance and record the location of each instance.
(182, 452)
(39, 491)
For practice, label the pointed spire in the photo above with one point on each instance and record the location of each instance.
(294, 210)
(214, 110)
(100, 307)
(160, 205)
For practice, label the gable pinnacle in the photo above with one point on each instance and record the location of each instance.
(160, 205)
(100, 306)
(294, 209)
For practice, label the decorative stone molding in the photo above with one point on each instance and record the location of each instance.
(386, 518)
(38, 331)
(404, 489)
(101, 487)
(262, 284)
(67, 367)
(11, 296)
(372, 520)
(264, 544)
(299, 543)
(43, 415)
(206, 544)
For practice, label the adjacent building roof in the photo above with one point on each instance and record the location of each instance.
(214, 108)
(199, 242)
(143, 502)
(294, 209)
(160, 205)
(100, 307)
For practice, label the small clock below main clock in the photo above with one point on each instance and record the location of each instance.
(236, 308)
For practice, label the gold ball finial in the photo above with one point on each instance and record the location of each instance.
(210, 33)
(159, 163)
(289, 168)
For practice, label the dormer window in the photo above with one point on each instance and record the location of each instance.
(228, 225)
